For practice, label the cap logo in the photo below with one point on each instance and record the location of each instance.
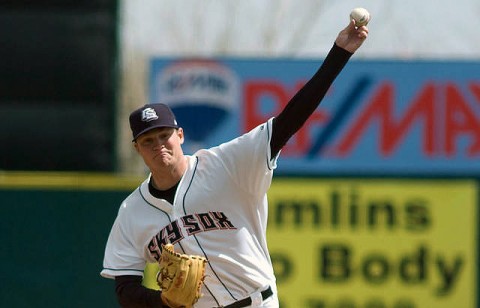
(149, 114)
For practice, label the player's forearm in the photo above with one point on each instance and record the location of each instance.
(307, 99)
(131, 293)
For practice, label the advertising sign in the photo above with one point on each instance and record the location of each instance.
(379, 117)
(374, 243)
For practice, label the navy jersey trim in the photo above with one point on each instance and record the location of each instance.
(269, 145)
(122, 269)
(198, 243)
(147, 202)
(189, 185)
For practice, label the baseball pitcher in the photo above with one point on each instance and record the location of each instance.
(203, 217)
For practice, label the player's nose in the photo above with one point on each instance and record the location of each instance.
(158, 143)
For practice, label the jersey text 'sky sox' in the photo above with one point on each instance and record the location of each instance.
(221, 199)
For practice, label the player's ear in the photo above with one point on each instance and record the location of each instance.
(135, 145)
(180, 134)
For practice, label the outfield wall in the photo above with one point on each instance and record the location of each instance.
(53, 233)
(334, 242)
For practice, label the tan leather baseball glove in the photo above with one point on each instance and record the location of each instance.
(180, 277)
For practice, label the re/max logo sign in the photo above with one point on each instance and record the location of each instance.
(371, 119)
(383, 117)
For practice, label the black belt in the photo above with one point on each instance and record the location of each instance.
(248, 301)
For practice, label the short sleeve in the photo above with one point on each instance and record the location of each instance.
(248, 159)
(122, 256)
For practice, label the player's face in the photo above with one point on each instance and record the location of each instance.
(161, 147)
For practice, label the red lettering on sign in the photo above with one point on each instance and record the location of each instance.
(423, 109)
(475, 88)
(255, 91)
(392, 132)
(460, 120)
(443, 113)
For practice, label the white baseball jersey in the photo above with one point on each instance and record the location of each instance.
(220, 212)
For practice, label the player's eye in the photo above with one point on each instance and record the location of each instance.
(165, 135)
(147, 142)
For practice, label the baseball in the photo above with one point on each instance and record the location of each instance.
(361, 16)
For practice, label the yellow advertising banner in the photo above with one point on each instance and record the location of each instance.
(374, 243)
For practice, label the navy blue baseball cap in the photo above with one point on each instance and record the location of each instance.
(149, 117)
